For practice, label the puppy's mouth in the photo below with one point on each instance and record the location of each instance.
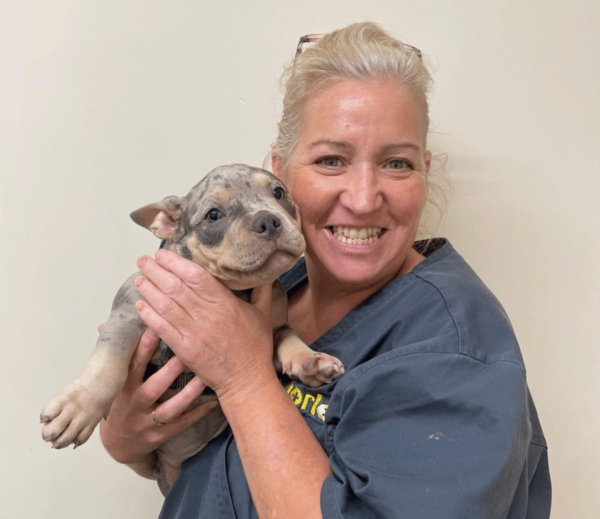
(255, 263)
(261, 272)
(259, 263)
(355, 236)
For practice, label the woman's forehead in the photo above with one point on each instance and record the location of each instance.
(349, 109)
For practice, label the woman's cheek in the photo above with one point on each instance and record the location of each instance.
(306, 199)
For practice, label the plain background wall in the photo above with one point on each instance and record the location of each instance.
(107, 106)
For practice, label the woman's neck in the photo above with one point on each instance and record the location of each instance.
(323, 301)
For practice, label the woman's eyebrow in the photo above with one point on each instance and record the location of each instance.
(331, 142)
(346, 145)
(401, 146)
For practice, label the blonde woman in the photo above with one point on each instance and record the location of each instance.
(433, 417)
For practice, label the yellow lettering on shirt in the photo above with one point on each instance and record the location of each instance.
(304, 401)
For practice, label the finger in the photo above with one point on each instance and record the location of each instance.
(261, 298)
(148, 344)
(193, 275)
(161, 288)
(167, 411)
(159, 324)
(168, 282)
(157, 384)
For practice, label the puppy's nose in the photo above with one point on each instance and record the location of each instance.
(267, 225)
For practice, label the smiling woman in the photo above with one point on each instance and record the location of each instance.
(432, 418)
(359, 163)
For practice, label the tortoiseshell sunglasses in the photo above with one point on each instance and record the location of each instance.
(312, 38)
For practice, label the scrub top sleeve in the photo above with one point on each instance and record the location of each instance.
(426, 435)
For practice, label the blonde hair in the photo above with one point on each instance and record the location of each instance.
(362, 51)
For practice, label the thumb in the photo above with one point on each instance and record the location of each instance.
(261, 298)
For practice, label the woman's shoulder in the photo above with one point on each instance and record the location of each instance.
(483, 328)
(441, 306)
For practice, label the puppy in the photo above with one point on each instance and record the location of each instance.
(239, 223)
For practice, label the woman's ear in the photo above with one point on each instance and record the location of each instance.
(427, 161)
(277, 165)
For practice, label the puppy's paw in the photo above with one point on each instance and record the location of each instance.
(70, 418)
(313, 368)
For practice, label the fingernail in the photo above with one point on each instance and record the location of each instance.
(141, 260)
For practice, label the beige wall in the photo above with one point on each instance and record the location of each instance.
(106, 106)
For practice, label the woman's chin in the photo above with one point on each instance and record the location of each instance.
(359, 272)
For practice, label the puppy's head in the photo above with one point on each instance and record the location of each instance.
(238, 222)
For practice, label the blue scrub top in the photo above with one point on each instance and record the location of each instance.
(432, 419)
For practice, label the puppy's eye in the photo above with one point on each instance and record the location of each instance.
(279, 193)
(213, 215)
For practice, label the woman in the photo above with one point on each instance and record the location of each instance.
(433, 417)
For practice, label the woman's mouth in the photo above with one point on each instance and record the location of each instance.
(356, 236)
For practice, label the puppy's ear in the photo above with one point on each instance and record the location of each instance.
(162, 218)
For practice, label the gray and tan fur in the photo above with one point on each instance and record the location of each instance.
(239, 223)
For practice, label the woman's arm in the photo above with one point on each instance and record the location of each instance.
(129, 434)
(280, 455)
(228, 343)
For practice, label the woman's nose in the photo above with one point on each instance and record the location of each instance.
(361, 192)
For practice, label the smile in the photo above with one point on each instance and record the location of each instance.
(356, 236)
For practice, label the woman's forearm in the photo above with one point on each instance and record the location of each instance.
(281, 457)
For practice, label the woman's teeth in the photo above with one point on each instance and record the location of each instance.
(356, 236)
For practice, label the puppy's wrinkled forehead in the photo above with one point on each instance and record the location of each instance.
(234, 191)
(237, 184)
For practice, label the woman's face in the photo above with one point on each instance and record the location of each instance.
(357, 175)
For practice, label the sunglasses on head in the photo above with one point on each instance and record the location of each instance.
(313, 38)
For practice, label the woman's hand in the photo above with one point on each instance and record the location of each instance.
(225, 341)
(129, 434)
(229, 344)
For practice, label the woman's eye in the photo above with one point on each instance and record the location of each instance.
(330, 162)
(398, 164)
(213, 215)
(279, 193)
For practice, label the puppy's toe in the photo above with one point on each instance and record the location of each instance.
(329, 369)
(56, 427)
(51, 410)
(311, 365)
(83, 435)
(65, 439)
(320, 369)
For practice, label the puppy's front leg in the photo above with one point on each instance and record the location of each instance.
(292, 356)
(74, 413)
(299, 362)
